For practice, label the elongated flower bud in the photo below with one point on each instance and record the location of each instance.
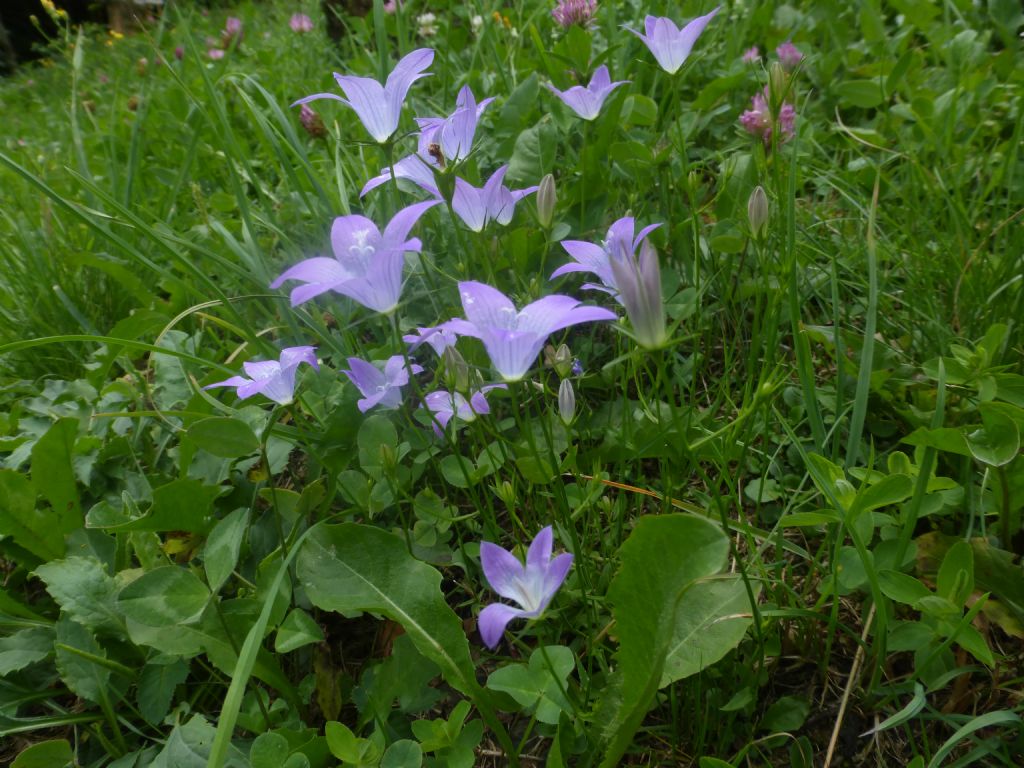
(566, 402)
(546, 201)
(757, 212)
(562, 362)
(456, 370)
(639, 283)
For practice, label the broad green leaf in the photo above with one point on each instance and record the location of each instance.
(956, 574)
(538, 687)
(404, 753)
(269, 750)
(890, 490)
(901, 587)
(166, 597)
(189, 745)
(53, 472)
(156, 687)
(86, 678)
(180, 505)
(55, 753)
(84, 591)
(26, 647)
(860, 93)
(534, 153)
(711, 619)
(377, 437)
(663, 556)
(298, 629)
(37, 531)
(225, 437)
(785, 715)
(997, 443)
(220, 555)
(638, 109)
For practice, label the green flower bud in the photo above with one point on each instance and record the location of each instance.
(546, 200)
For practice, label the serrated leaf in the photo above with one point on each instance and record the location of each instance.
(166, 597)
(156, 688)
(37, 531)
(23, 648)
(85, 678)
(84, 591)
(53, 472)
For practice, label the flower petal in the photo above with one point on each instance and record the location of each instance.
(406, 72)
(469, 204)
(320, 270)
(398, 228)
(502, 570)
(539, 554)
(371, 104)
(492, 622)
(366, 376)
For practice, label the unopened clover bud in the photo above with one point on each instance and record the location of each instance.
(566, 402)
(456, 370)
(757, 211)
(562, 361)
(546, 201)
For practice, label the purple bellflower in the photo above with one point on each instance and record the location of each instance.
(512, 338)
(275, 379)
(639, 284)
(532, 586)
(587, 102)
(437, 337)
(619, 245)
(379, 387)
(367, 265)
(377, 106)
(671, 45)
(477, 206)
(445, 405)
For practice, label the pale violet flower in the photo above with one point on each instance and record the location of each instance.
(531, 586)
(477, 206)
(671, 45)
(436, 337)
(274, 379)
(620, 244)
(377, 106)
(367, 265)
(587, 102)
(379, 387)
(513, 338)
(446, 405)
(639, 285)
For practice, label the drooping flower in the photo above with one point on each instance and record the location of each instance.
(619, 245)
(377, 106)
(380, 387)
(477, 206)
(512, 338)
(671, 45)
(436, 337)
(447, 405)
(639, 284)
(789, 55)
(758, 119)
(751, 56)
(301, 23)
(275, 379)
(587, 102)
(569, 12)
(531, 586)
(367, 265)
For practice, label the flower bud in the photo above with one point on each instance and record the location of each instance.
(312, 122)
(456, 370)
(562, 361)
(778, 87)
(757, 212)
(566, 402)
(546, 201)
(506, 493)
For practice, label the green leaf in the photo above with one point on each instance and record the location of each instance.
(785, 715)
(298, 629)
(890, 490)
(638, 109)
(712, 618)
(220, 555)
(956, 574)
(85, 678)
(38, 531)
(404, 753)
(376, 436)
(901, 587)
(225, 437)
(538, 687)
(269, 750)
(860, 93)
(915, 705)
(663, 557)
(534, 153)
(996, 443)
(23, 648)
(55, 753)
(988, 720)
(84, 591)
(53, 473)
(189, 745)
(156, 687)
(165, 597)
(713, 762)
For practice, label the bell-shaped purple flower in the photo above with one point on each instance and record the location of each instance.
(513, 338)
(477, 206)
(379, 387)
(437, 337)
(275, 379)
(446, 405)
(367, 265)
(671, 45)
(596, 258)
(639, 285)
(587, 102)
(377, 106)
(531, 586)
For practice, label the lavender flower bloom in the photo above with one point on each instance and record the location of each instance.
(587, 102)
(513, 339)
(380, 387)
(639, 284)
(274, 379)
(532, 586)
(758, 119)
(367, 265)
(379, 107)
(670, 45)
(437, 337)
(300, 22)
(789, 55)
(477, 206)
(446, 405)
(619, 245)
(569, 12)
(751, 56)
